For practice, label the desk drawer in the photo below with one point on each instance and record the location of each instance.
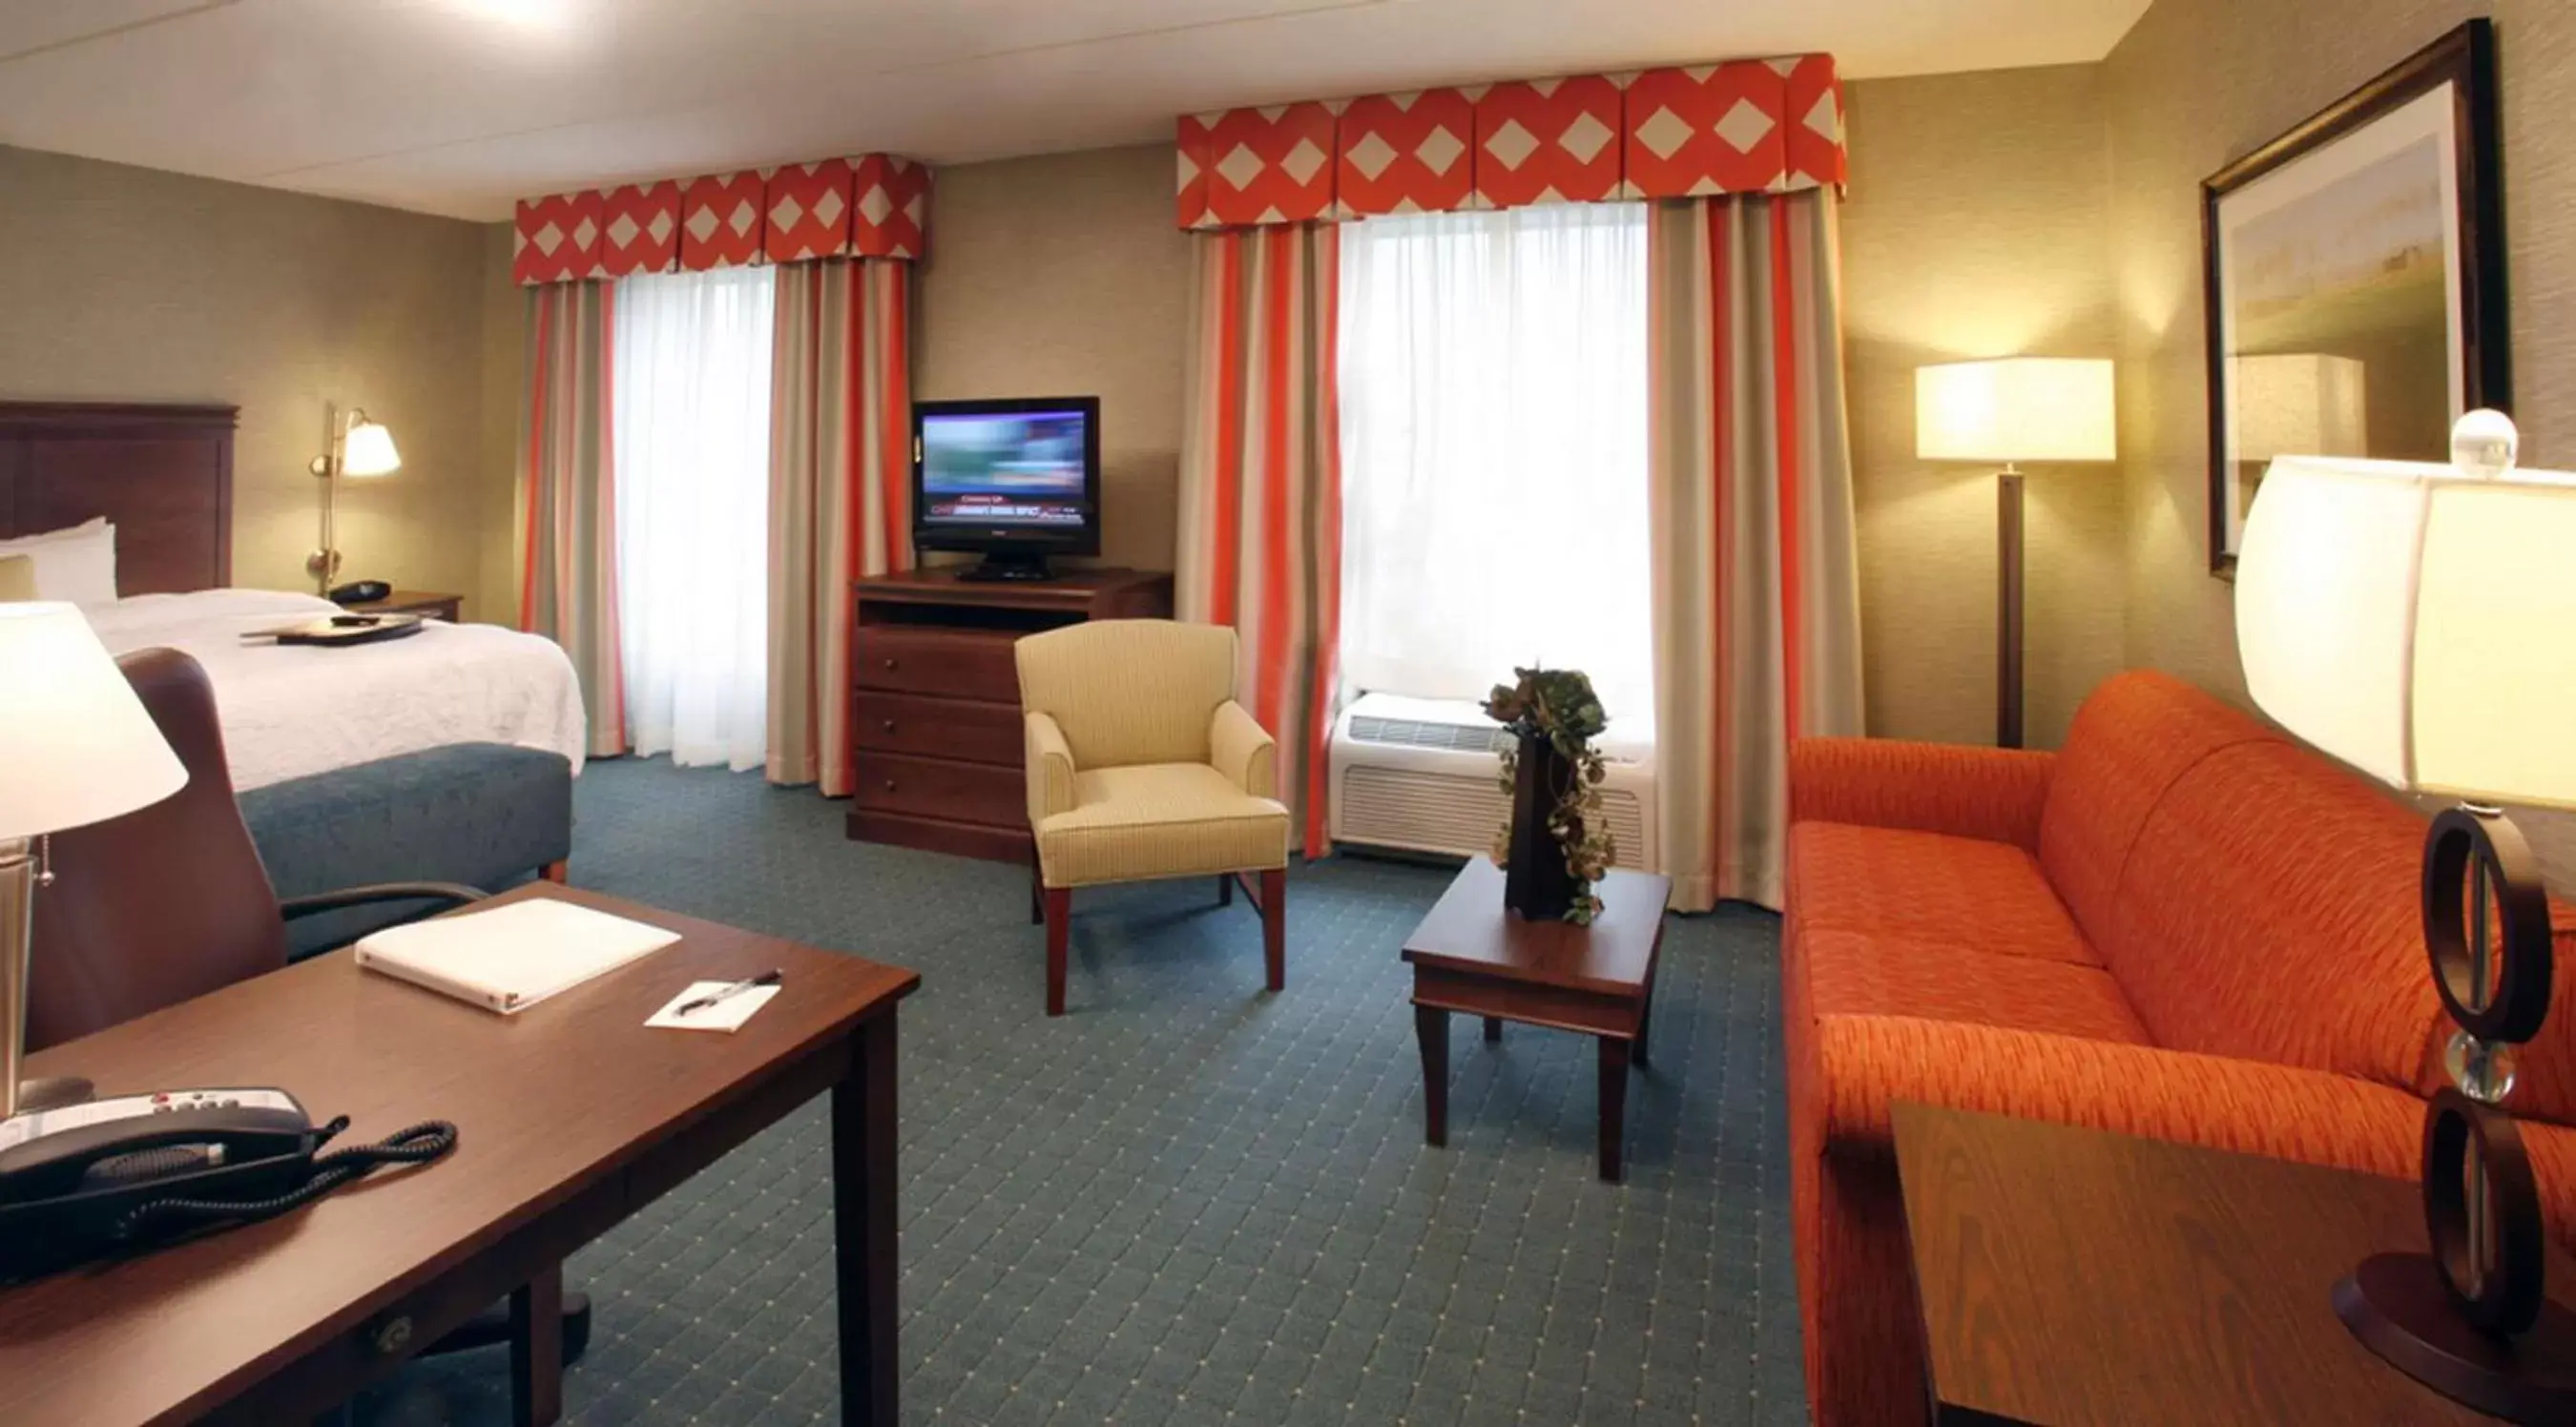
(939, 728)
(941, 788)
(960, 663)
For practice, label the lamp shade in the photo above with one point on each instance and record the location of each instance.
(76, 746)
(2417, 621)
(368, 450)
(2016, 409)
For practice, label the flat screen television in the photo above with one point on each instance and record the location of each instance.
(1014, 481)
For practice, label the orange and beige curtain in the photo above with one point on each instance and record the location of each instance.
(839, 485)
(1763, 126)
(871, 206)
(1259, 544)
(568, 512)
(1260, 499)
(844, 233)
(1757, 602)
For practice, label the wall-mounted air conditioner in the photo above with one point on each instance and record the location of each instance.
(1421, 775)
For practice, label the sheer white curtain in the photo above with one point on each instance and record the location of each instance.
(1493, 396)
(692, 480)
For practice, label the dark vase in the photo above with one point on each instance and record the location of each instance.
(1536, 883)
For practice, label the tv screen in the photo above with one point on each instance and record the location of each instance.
(1000, 473)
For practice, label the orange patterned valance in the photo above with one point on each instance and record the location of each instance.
(872, 206)
(1745, 126)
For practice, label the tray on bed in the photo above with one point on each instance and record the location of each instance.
(340, 629)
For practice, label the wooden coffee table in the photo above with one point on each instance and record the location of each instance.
(1473, 954)
(2073, 1276)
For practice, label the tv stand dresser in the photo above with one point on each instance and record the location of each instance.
(935, 733)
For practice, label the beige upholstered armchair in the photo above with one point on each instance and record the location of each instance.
(1142, 765)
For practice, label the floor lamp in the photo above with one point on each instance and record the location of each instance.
(2008, 411)
(2419, 622)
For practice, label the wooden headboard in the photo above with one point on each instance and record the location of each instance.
(163, 475)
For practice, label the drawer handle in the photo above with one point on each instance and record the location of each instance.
(891, 664)
(889, 785)
(889, 725)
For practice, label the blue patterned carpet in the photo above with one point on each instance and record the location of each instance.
(1188, 1201)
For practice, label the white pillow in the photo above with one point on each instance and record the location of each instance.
(77, 565)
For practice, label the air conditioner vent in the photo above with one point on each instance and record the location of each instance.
(1414, 733)
(1424, 774)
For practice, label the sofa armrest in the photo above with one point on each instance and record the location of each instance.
(1995, 794)
(1050, 768)
(1243, 751)
(2252, 1107)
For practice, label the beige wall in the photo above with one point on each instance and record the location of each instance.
(2199, 83)
(1065, 275)
(1975, 228)
(122, 283)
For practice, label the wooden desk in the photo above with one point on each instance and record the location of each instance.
(2072, 1276)
(570, 1117)
(1474, 954)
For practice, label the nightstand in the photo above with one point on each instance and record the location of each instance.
(425, 603)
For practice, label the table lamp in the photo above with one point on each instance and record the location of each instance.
(2009, 411)
(76, 747)
(359, 447)
(2419, 622)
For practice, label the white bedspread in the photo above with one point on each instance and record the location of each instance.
(292, 711)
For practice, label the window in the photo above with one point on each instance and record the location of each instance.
(1494, 475)
(691, 453)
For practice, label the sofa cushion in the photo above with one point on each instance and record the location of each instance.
(1159, 820)
(1928, 887)
(2270, 912)
(1856, 974)
(2131, 740)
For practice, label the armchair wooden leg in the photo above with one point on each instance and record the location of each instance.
(1037, 894)
(1274, 926)
(555, 871)
(1059, 930)
(1225, 889)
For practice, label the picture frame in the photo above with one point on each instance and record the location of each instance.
(2354, 276)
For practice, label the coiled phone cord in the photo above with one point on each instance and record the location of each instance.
(429, 1140)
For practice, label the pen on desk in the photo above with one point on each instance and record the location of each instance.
(766, 978)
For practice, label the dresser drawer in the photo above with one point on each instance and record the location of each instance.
(940, 788)
(959, 663)
(939, 728)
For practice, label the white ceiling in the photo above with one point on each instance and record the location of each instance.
(458, 106)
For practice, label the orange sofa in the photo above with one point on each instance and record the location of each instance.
(2183, 925)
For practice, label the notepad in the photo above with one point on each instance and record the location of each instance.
(726, 1015)
(511, 957)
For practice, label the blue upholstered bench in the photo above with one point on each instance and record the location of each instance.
(484, 814)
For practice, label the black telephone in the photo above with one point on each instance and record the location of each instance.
(119, 1176)
(360, 592)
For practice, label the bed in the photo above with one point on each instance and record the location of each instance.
(162, 475)
(294, 712)
(441, 756)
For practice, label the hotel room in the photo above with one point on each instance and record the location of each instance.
(568, 565)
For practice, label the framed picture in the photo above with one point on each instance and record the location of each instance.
(2355, 279)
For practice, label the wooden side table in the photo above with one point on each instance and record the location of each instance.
(428, 604)
(1475, 955)
(2074, 1276)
